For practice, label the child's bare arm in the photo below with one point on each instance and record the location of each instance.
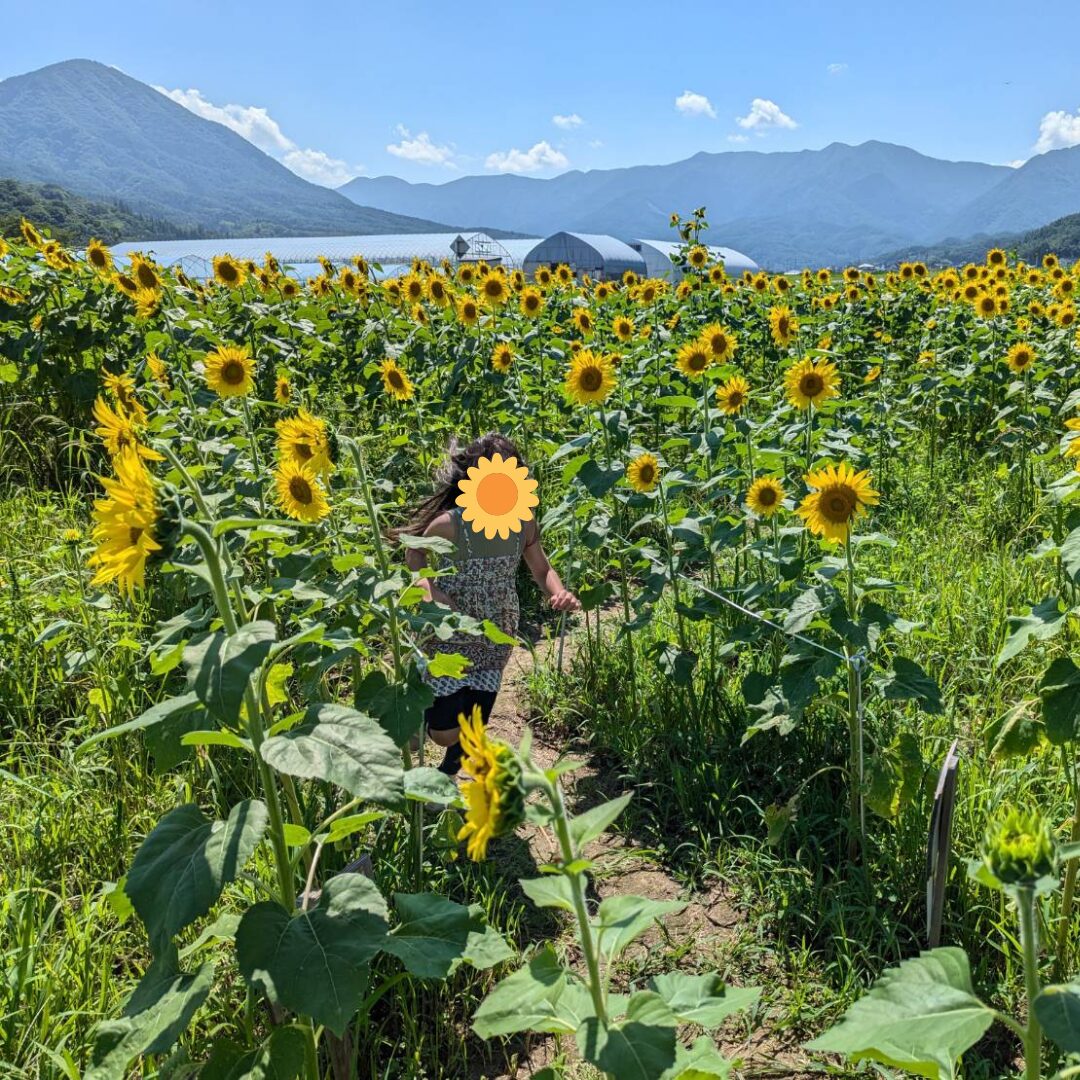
(416, 559)
(549, 582)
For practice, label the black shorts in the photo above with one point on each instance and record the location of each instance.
(444, 714)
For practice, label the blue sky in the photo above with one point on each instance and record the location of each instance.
(433, 90)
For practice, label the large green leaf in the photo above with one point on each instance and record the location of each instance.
(1060, 691)
(435, 936)
(220, 666)
(429, 785)
(908, 682)
(1043, 622)
(551, 890)
(156, 714)
(399, 707)
(542, 996)
(702, 999)
(623, 917)
(169, 1007)
(182, 866)
(1058, 1010)
(641, 1046)
(701, 1062)
(920, 1016)
(315, 962)
(344, 746)
(589, 825)
(280, 1057)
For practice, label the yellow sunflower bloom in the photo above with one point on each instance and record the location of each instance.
(124, 524)
(623, 328)
(583, 320)
(502, 359)
(495, 796)
(733, 395)
(643, 473)
(494, 290)
(873, 374)
(591, 378)
(810, 382)
(1020, 357)
(98, 257)
(119, 433)
(497, 497)
(531, 302)
(299, 493)
(228, 272)
(303, 440)
(282, 390)
(839, 495)
(230, 371)
(468, 311)
(694, 358)
(143, 272)
(766, 496)
(30, 234)
(395, 382)
(721, 341)
(783, 325)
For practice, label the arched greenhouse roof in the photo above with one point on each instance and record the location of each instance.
(590, 253)
(657, 255)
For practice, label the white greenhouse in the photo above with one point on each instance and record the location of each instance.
(657, 255)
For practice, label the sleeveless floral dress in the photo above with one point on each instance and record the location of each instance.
(483, 586)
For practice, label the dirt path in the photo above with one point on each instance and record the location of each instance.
(706, 936)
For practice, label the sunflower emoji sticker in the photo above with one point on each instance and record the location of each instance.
(498, 497)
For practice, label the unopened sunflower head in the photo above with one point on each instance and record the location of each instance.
(1019, 849)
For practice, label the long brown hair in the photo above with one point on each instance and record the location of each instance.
(459, 460)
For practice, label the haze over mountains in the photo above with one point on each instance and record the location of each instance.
(104, 135)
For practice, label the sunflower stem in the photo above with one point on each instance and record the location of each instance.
(1025, 902)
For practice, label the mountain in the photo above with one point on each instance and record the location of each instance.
(73, 220)
(1060, 237)
(1043, 189)
(105, 135)
(834, 205)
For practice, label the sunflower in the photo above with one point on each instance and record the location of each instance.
(282, 390)
(122, 387)
(839, 496)
(697, 256)
(1066, 315)
(1020, 357)
(124, 524)
(643, 473)
(290, 289)
(228, 272)
(147, 302)
(694, 358)
(1072, 449)
(395, 382)
(299, 492)
(144, 273)
(497, 497)
(437, 291)
(603, 291)
(810, 382)
(623, 328)
(720, 341)
(532, 302)
(158, 369)
(30, 234)
(873, 374)
(542, 276)
(995, 257)
(563, 274)
(717, 274)
(98, 256)
(502, 358)
(413, 288)
(648, 292)
(733, 395)
(119, 433)
(230, 371)
(583, 320)
(495, 796)
(590, 379)
(783, 325)
(302, 439)
(765, 497)
(986, 305)
(468, 311)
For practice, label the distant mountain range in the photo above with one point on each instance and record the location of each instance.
(103, 135)
(108, 137)
(836, 205)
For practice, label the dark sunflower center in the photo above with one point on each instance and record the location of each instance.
(783, 326)
(591, 379)
(147, 277)
(395, 380)
(97, 257)
(767, 496)
(646, 473)
(300, 490)
(718, 343)
(838, 504)
(134, 535)
(304, 452)
(233, 373)
(735, 399)
(698, 361)
(228, 272)
(811, 385)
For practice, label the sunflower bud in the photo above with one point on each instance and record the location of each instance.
(1019, 848)
(507, 781)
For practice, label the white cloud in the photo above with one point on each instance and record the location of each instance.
(836, 69)
(541, 156)
(691, 104)
(1057, 130)
(765, 114)
(421, 149)
(255, 124)
(1015, 164)
(567, 123)
(737, 138)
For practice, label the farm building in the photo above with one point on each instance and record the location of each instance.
(601, 257)
(657, 255)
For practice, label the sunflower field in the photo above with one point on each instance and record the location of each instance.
(824, 528)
